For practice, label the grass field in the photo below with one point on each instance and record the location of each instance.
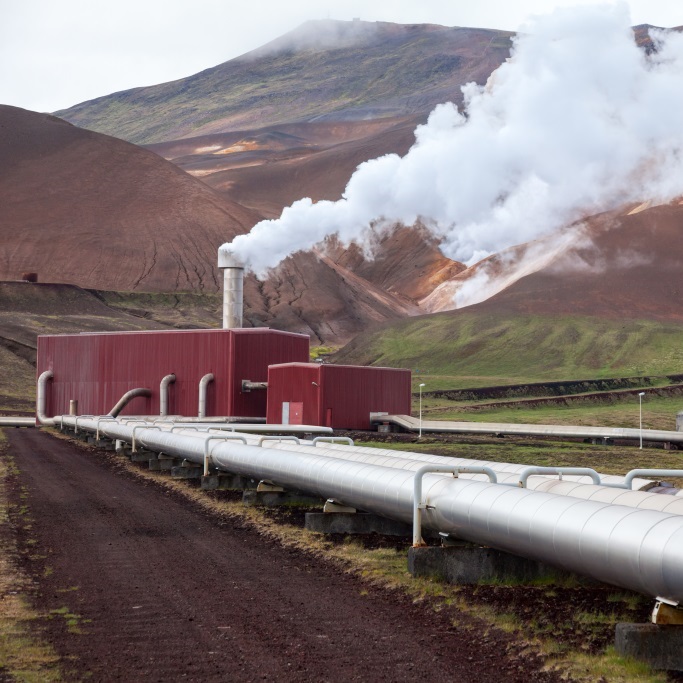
(471, 349)
(658, 412)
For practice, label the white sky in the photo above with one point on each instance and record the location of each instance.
(57, 53)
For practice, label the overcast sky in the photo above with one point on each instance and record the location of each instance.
(57, 53)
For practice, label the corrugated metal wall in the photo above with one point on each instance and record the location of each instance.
(293, 383)
(345, 395)
(97, 369)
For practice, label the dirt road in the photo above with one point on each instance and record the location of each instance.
(144, 586)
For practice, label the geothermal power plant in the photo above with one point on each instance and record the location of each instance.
(246, 405)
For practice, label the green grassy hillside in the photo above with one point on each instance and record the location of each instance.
(493, 349)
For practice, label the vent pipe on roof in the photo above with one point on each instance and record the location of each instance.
(233, 289)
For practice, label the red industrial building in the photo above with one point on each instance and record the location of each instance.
(97, 369)
(337, 396)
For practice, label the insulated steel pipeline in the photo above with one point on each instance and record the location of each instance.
(572, 486)
(641, 550)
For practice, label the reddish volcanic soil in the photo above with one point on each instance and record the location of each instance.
(82, 208)
(91, 210)
(163, 591)
(633, 269)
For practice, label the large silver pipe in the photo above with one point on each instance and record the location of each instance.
(203, 388)
(233, 289)
(41, 398)
(571, 485)
(640, 550)
(127, 398)
(163, 394)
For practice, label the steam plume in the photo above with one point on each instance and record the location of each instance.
(579, 120)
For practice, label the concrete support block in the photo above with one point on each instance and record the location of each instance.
(355, 523)
(167, 462)
(274, 498)
(107, 444)
(469, 564)
(141, 455)
(184, 472)
(660, 646)
(227, 482)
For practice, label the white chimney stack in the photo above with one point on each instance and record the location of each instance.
(233, 289)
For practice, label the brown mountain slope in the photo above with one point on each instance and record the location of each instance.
(81, 207)
(87, 209)
(634, 269)
(270, 168)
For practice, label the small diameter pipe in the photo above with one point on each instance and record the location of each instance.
(41, 398)
(332, 439)
(163, 394)
(248, 385)
(203, 387)
(628, 482)
(261, 439)
(127, 398)
(216, 437)
(418, 505)
(579, 471)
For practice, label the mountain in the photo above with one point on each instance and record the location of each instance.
(324, 70)
(87, 209)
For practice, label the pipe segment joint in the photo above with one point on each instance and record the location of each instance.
(133, 448)
(418, 505)
(216, 437)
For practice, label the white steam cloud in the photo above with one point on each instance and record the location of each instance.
(578, 121)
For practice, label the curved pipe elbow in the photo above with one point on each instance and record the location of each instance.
(127, 398)
(203, 388)
(163, 394)
(41, 398)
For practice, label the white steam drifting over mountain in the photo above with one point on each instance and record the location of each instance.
(579, 120)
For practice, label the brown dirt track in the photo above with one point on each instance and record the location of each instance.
(165, 591)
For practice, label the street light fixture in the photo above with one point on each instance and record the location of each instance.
(419, 436)
(640, 398)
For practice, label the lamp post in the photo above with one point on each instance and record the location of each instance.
(640, 399)
(419, 436)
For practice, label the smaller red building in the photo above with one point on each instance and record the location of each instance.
(337, 396)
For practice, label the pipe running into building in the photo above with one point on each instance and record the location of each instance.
(127, 398)
(163, 394)
(41, 399)
(203, 388)
(640, 550)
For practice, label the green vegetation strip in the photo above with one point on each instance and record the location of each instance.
(23, 656)
(483, 350)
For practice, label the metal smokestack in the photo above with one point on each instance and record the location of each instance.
(233, 289)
